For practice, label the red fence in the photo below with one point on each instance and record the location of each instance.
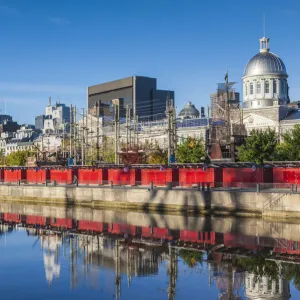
(37, 175)
(219, 176)
(189, 177)
(14, 175)
(160, 177)
(286, 175)
(236, 177)
(124, 176)
(63, 176)
(92, 176)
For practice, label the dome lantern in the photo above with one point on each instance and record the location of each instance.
(264, 44)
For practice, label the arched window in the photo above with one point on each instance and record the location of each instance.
(267, 87)
(251, 88)
(274, 87)
(282, 87)
(258, 87)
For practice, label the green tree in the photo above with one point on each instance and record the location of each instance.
(259, 266)
(17, 158)
(157, 156)
(191, 151)
(191, 257)
(292, 273)
(289, 149)
(260, 146)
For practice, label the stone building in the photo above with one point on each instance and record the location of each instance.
(266, 93)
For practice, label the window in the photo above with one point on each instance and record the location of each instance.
(282, 87)
(267, 87)
(274, 87)
(246, 89)
(251, 88)
(258, 87)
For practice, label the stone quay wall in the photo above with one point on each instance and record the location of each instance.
(285, 205)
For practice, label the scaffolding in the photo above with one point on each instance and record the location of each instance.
(226, 130)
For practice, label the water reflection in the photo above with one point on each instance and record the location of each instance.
(240, 258)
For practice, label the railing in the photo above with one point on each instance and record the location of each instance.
(129, 183)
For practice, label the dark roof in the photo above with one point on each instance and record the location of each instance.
(189, 111)
(292, 116)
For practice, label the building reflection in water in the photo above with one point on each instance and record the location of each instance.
(240, 264)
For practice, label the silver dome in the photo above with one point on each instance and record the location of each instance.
(265, 63)
(189, 111)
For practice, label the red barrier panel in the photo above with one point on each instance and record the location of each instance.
(14, 175)
(242, 177)
(92, 176)
(12, 217)
(199, 237)
(90, 225)
(36, 220)
(124, 177)
(189, 177)
(240, 240)
(61, 222)
(286, 175)
(160, 177)
(37, 176)
(63, 176)
(1, 175)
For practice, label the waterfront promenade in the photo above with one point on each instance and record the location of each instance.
(268, 202)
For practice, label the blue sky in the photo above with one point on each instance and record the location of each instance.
(57, 48)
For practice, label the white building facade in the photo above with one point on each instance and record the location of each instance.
(266, 93)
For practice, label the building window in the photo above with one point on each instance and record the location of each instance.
(258, 87)
(251, 88)
(267, 87)
(246, 89)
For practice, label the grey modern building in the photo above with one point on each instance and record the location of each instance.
(138, 92)
(5, 118)
(39, 122)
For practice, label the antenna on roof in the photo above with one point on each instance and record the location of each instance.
(264, 25)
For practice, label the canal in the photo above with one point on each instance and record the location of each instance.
(58, 252)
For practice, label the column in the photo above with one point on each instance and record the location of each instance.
(278, 83)
(262, 82)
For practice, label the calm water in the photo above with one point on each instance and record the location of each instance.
(81, 253)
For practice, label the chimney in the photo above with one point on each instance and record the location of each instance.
(202, 112)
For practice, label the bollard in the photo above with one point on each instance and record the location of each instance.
(296, 188)
(54, 182)
(198, 186)
(19, 182)
(292, 188)
(203, 186)
(46, 182)
(151, 186)
(208, 186)
(257, 188)
(169, 185)
(111, 185)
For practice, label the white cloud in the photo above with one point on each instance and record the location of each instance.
(59, 21)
